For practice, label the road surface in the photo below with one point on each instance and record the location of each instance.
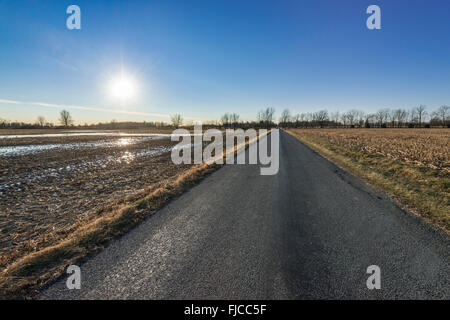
(309, 232)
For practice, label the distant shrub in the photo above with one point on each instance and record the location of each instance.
(410, 125)
(427, 126)
(383, 125)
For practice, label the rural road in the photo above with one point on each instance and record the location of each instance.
(309, 232)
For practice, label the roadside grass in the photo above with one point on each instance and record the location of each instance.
(421, 190)
(25, 276)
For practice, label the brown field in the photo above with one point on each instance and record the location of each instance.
(54, 189)
(63, 203)
(411, 165)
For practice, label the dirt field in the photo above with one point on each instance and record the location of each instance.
(412, 165)
(49, 183)
(64, 199)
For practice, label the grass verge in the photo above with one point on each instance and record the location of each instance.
(422, 191)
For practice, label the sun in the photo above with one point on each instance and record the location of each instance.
(123, 87)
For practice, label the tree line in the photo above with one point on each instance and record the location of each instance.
(417, 117)
(66, 120)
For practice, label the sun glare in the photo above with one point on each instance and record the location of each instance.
(123, 88)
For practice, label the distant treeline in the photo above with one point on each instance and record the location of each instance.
(417, 117)
(101, 126)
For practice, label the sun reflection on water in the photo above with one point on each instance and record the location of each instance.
(127, 157)
(123, 142)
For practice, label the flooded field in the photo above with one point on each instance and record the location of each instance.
(83, 134)
(50, 181)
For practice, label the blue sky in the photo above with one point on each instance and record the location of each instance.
(204, 58)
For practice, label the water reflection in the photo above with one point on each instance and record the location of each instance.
(127, 157)
(14, 183)
(11, 151)
(102, 162)
(79, 134)
(124, 142)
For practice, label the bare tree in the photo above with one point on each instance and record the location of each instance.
(285, 117)
(266, 116)
(390, 118)
(335, 116)
(229, 119)
(393, 116)
(413, 116)
(40, 121)
(303, 118)
(65, 118)
(234, 119)
(177, 120)
(420, 113)
(360, 117)
(368, 119)
(296, 120)
(309, 117)
(399, 116)
(225, 119)
(344, 119)
(352, 116)
(382, 116)
(443, 113)
(321, 117)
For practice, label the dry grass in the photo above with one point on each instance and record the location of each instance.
(21, 278)
(411, 165)
(25, 275)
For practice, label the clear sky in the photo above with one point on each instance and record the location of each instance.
(204, 58)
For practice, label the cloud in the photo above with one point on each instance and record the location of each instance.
(10, 101)
(50, 105)
(60, 106)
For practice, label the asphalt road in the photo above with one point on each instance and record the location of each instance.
(309, 232)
